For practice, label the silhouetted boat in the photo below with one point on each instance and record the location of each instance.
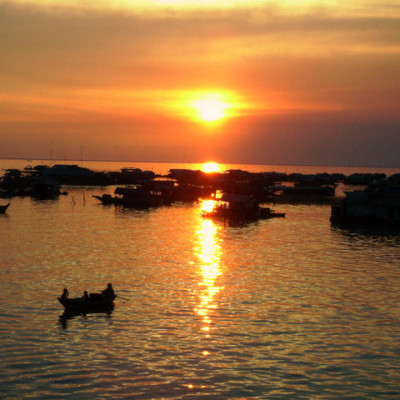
(3, 209)
(240, 207)
(107, 199)
(137, 196)
(266, 213)
(95, 303)
(302, 189)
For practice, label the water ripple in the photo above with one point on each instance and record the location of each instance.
(288, 309)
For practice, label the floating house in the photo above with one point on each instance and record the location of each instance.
(136, 196)
(239, 207)
(377, 204)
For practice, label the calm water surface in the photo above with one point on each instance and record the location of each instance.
(278, 309)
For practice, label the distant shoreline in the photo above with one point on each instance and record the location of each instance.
(63, 160)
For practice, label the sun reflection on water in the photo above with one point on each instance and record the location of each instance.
(208, 205)
(209, 253)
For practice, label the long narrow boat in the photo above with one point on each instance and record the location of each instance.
(3, 209)
(95, 303)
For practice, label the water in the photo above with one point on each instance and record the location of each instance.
(277, 309)
(163, 168)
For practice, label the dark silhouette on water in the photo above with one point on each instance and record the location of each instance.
(93, 302)
(3, 209)
(68, 315)
(64, 295)
(108, 292)
(377, 205)
(240, 207)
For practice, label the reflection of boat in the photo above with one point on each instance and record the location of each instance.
(71, 314)
(95, 303)
(3, 209)
(239, 207)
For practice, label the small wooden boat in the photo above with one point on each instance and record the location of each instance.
(3, 209)
(96, 302)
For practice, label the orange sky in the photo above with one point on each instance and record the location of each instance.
(301, 82)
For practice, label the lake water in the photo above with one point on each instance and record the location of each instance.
(276, 309)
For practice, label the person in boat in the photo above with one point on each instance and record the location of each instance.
(108, 292)
(85, 296)
(65, 294)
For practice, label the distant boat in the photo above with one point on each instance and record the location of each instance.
(95, 303)
(266, 213)
(136, 196)
(107, 199)
(301, 189)
(3, 209)
(139, 196)
(240, 207)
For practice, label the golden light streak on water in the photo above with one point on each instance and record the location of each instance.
(287, 308)
(209, 253)
(207, 205)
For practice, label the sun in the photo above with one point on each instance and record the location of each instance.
(207, 106)
(211, 166)
(210, 110)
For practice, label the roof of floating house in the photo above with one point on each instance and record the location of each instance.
(238, 198)
(67, 170)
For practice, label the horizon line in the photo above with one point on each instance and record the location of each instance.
(194, 162)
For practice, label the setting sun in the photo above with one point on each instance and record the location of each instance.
(208, 106)
(210, 166)
(211, 109)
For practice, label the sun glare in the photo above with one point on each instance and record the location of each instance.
(211, 166)
(212, 106)
(211, 109)
(207, 106)
(207, 205)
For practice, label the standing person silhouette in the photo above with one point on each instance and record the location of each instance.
(108, 293)
(85, 296)
(65, 294)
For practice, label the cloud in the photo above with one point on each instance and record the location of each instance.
(96, 68)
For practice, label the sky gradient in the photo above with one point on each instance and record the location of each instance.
(302, 82)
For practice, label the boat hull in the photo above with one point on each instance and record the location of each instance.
(80, 305)
(261, 213)
(3, 209)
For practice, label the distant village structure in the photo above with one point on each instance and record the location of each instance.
(378, 202)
